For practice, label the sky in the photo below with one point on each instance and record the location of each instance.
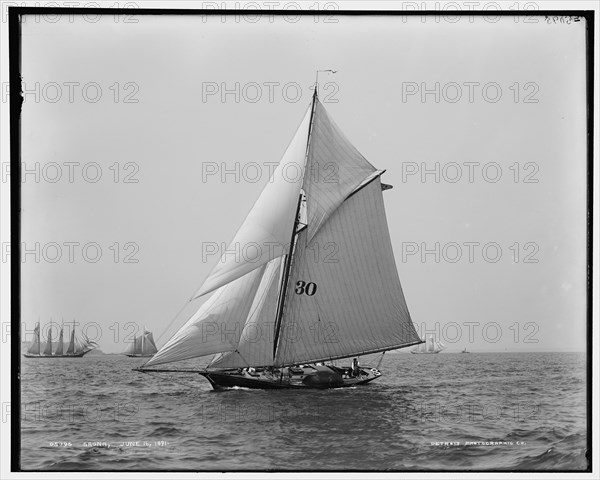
(143, 141)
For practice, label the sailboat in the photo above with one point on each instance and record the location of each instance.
(280, 319)
(142, 346)
(465, 350)
(429, 346)
(75, 348)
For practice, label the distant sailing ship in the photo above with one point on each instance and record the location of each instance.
(274, 321)
(142, 346)
(75, 349)
(465, 351)
(430, 346)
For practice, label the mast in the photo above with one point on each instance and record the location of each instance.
(285, 280)
(38, 340)
(288, 260)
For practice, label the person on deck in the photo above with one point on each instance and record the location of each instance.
(355, 367)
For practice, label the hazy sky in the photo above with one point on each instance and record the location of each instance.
(510, 101)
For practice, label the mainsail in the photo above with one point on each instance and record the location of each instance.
(357, 305)
(48, 347)
(59, 345)
(71, 347)
(332, 292)
(149, 347)
(35, 347)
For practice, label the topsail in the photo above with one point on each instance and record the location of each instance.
(332, 288)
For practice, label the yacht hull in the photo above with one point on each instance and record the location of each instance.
(318, 379)
(74, 355)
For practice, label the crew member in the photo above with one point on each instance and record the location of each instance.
(355, 367)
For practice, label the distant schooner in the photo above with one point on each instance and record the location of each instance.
(429, 346)
(75, 348)
(275, 321)
(142, 346)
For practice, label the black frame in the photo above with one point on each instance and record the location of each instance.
(15, 52)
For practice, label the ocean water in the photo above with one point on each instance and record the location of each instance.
(519, 411)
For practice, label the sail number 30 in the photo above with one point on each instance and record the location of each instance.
(309, 288)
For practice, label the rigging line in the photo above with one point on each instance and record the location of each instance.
(380, 360)
(242, 357)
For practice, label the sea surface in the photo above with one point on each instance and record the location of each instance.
(520, 411)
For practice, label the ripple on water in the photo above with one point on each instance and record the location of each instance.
(388, 425)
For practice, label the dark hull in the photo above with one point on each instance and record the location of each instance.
(139, 356)
(220, 380)
(74, 355)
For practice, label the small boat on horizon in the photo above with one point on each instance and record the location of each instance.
(465, 350)
(76, 348)
(430, 346)
(142, 346)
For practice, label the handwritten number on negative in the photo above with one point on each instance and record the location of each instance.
(568, 20)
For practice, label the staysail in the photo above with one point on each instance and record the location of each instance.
(256, 341)
(86, 346)
(334, 292)
(216, 326)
